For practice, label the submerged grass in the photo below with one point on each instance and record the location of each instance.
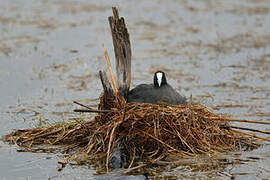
(145, 132)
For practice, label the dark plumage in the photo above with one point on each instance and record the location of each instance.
(159, 91)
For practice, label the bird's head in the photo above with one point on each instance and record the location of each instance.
(159, 79)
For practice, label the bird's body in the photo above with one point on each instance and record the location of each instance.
(159, 91)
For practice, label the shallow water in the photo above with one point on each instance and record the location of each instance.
(50, 53)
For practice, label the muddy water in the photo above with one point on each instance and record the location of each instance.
(50, 52)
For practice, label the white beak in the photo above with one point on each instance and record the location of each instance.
(159, 78)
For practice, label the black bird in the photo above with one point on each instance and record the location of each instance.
(160, 91)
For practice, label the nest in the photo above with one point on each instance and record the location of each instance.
(145, 132)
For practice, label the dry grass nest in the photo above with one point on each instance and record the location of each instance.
(145, 132)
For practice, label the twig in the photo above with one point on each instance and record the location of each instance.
(252, 135)
(236, 120)
(112, 137)
(160, 141)
(136, 167)
(133, 158)
(76, 102)
(42, 135)
(110, 144)
(90, 110)
(247, 129)
(110, 68)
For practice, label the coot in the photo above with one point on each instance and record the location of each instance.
(160, 91)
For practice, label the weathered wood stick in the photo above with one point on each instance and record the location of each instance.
(108, 91)
(122, 51)
(105, 83)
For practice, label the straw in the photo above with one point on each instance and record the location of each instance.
(110, 69)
